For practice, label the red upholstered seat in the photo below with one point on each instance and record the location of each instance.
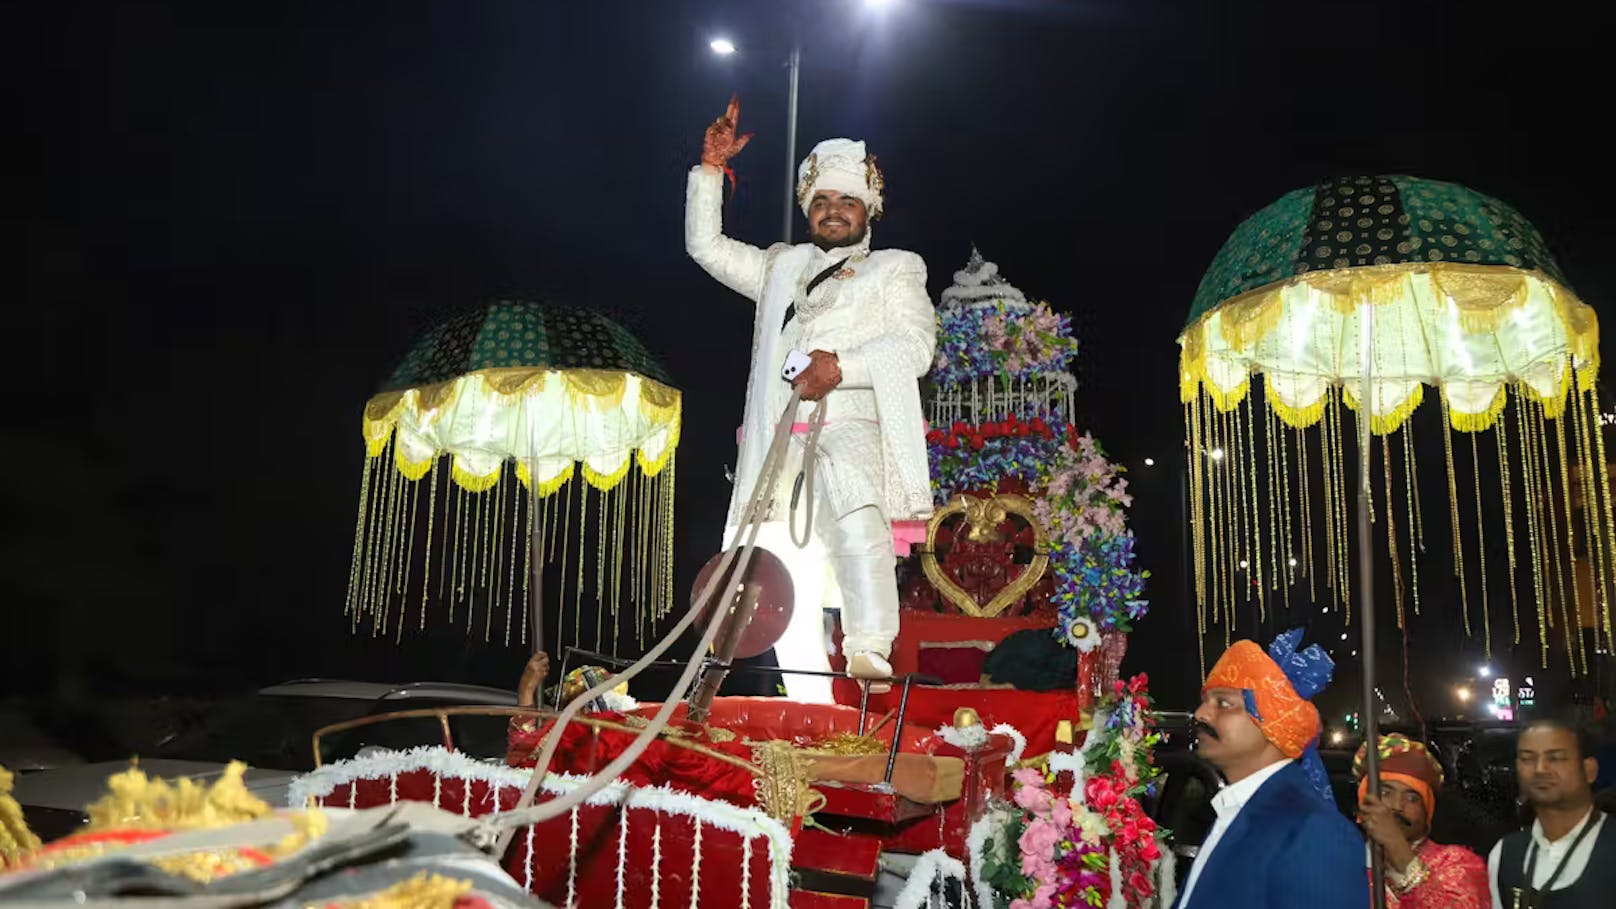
(761, 719)
(1035, 714)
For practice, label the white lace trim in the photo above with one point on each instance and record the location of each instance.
(744, 822)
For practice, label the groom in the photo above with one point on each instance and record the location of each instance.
(865, 323)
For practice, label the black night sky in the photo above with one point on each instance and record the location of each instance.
(235, 217)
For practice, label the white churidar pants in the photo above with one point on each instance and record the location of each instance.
(855, 550)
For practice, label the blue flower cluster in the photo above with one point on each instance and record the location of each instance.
(964, 467)
(1098, 580)
(967, 349)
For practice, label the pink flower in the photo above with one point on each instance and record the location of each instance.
(1150, 852)
(1027, 776)
(1033, 799)
(1041, 837)
(1099, 794)
(1140, 884)
(1060, 813)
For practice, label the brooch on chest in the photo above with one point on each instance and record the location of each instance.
(843, 274)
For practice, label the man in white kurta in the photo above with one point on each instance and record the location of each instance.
(865, 319)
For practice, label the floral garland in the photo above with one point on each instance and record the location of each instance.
(1020, 340)
(1121, 771)
(1091, 548)
(1084, 496)
(964, 457)
(1087, 845)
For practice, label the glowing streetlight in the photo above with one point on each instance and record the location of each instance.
(1337, 736)
(1463, 694)
(1486, 671)
(723, 47)
(1150, 462)
(1293, 561)
(1244, 564)
(879, 4)
(1343, 635)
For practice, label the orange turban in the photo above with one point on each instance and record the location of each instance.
(1406, 761)
(1277, 686)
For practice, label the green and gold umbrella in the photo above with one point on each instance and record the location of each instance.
(1385, 287)
(541, 395)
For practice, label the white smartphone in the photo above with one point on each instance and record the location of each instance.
(796, 363)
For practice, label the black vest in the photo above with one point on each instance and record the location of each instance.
(1595, 889)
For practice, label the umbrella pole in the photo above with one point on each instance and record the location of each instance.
(535, 586)
(1366, 581)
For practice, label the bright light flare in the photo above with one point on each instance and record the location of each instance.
(723, 47)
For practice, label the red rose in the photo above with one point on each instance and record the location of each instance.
(1038, 425)
(1098, 793)
(959, 428)
(1140, 884)
(934, 436)
(950, 442)
(977, 442)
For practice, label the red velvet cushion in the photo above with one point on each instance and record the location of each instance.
(954, 662)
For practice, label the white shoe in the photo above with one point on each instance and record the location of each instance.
(872, 668)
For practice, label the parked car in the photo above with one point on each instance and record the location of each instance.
(70, 752)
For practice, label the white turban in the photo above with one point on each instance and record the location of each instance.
(841, 165)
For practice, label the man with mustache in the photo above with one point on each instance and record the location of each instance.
(1420, 874)
(864, 321)
(1568, 859)
(1278, 841)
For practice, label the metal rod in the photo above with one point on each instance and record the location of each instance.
(793, 68)
(1366, 585)
(897, 731)
(864, 703)
(920, 678)
(740, 607)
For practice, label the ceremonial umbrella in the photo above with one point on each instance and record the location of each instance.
(542, 395)
(1369, 289)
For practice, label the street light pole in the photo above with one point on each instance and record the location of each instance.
(793, 67)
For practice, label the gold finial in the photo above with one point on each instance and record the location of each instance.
(965, 718)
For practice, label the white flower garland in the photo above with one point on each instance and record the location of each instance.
(622, 855)
(572, 858)
(695, 867)
(619, 703)
(1166, 872)
(1015, 737)
(744, 822)
(970, 738)
(379, 764)
(746, 874)
(527, 882)
(656, 866)
(975, 840)
(931, 869)
(1119, 900)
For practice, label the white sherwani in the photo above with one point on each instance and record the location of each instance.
(871, 467)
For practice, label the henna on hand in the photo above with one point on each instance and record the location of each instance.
(720, 143)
